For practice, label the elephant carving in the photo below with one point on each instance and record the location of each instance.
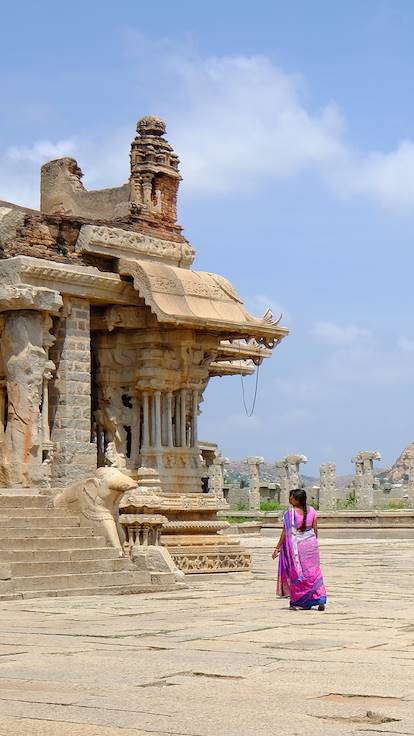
(96, 500)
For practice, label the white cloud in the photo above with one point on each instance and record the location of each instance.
(297, 388)
(370, 366)
(406, 344)
(338, 335)
(41, 151)
(387, 177)
(236, 122)
(245, 120)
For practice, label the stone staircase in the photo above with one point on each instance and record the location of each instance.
(47, 552)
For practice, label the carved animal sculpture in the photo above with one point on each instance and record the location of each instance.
(97, 500)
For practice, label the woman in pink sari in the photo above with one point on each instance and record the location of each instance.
(299, 575)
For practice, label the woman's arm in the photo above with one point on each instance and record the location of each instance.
(315, 525)
(279, 544)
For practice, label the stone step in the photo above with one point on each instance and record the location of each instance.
(123, 589)
(35, 513)
(48, 541)
(71, 567)
(37, 533)
(45, 522)
(19, 501)
(81, 580)
(59, 555)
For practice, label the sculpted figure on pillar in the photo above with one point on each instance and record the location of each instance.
(113, 444)
(25, 340)
(364, 478)
(254, 464)
(327, 487)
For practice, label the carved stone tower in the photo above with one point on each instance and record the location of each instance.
(154, 170)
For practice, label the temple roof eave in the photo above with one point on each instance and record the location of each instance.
(199, 299)
(221, 368)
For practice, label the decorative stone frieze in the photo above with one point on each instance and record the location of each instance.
(114, 242)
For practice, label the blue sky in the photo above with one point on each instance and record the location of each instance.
(294, 123)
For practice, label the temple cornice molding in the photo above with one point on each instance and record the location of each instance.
(113, 242)
(21, 297)
(82, 281)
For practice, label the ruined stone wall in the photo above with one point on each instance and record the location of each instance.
(54, 237)
(237, 496)
(62, 192)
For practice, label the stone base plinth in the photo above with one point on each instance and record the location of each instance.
(191, 531)
(193, 559)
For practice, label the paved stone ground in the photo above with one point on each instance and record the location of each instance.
(223, 657)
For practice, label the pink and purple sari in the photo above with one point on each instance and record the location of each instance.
(299, 574)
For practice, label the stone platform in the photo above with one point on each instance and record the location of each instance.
(224, 657)
(377, 524)
(47, 552)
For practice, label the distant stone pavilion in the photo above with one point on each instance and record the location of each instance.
(109, 338)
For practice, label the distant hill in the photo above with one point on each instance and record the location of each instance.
(399, 470)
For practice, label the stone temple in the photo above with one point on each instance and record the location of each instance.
(108, 340)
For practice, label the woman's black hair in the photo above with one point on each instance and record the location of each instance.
(300, 496)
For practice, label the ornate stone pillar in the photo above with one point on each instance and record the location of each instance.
(409, 459)
(145, 426)
(152, 419)
(157, 417)
(183, 436)
(25, 342)
(194, 420)
(136, 430)
(327, 487)
(70, 395)
(283, 481)
(364, 478)
(216, 476)
(293, 462)
(170, 439)
(289, 475)
(177, 413)
(3, 405)
(147, 189)
(254, 482)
